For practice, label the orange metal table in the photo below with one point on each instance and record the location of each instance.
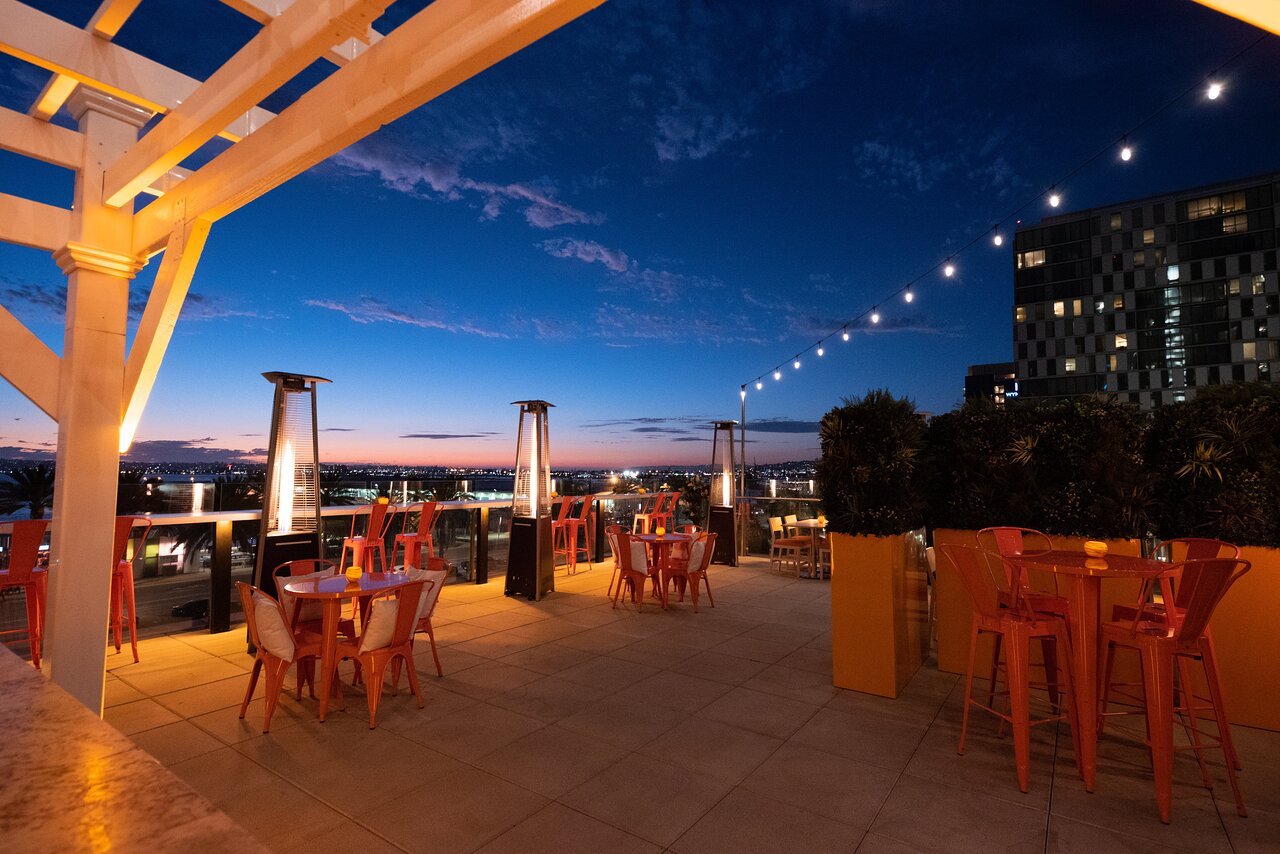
(660, 549)
(1084, 576)
(332, 590)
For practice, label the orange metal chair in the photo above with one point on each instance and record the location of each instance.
(23, 571)
(689, 570)
(575, 525)
(664, 511)
(1020, 624)
(387, 636)
(611, 533)
(437, 571)
(641, 522)
(633, 568)
(560, 527)
(1180, 550)
(1173, 643)
(413, 543)
(122, 577)
(276, 647)
(374, 538)
(309, 616)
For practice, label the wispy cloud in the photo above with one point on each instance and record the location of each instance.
(49, 301)
(367, 310)
(781, 425)
(188, 451)
(448, 435)
(588, 252)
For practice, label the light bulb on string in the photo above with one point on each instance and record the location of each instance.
(1054, 199)
(1126, 150)
(845, 334)
(997, 239)
(759, 385)
(1214, 90)
(777, 375)
(948, 269)
(796, 364)
(909, 296)
(875, 315)
(820, 350)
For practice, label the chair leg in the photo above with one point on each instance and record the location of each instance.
(1049, 654)
(431, 636)
(413, 683)
(707, 582)
(1105, 698)
(253, 683)
(1224, 728)
(116, 594)
(968, 686)
(995, 671)
(32, 600)
(373, 691)
(276, 670)
(1157, 680)
(133, 615)
(1016, 677)
(1187, 717)
(1210, 661)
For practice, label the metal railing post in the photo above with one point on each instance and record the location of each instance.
(480, 546)
(220, 579)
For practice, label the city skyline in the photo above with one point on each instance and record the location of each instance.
(649, 208)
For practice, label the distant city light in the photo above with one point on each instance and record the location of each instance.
(1215, 89)
(875, 316)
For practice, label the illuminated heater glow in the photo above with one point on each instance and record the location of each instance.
(726, 490)
(286, 470)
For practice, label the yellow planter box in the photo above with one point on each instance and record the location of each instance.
(879, 611)
(1247, 646)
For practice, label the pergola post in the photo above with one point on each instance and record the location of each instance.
(99, 266)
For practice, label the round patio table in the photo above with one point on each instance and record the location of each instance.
(331, 591)
(814, 527)
(660, 549)
(1084, 576)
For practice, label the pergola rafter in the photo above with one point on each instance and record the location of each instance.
(95, 391)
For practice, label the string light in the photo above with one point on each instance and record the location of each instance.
(1212, 90)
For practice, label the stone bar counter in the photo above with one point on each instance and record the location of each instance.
(70, 782)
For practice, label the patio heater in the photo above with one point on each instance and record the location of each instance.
(721, 516)
(290, 527)
(530, 563)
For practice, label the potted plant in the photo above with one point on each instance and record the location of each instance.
(868, 474)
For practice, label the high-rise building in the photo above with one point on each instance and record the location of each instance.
(995, 382)
(1150, 299)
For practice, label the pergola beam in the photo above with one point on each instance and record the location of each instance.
(280, 51)
(164, 304)
(441, 46)
(43, 40)
(33, 224)
(29, 364)
(1261, 13)
(264, 11)
(106, 22)
(41, 140)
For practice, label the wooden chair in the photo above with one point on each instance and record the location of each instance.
(787, 550)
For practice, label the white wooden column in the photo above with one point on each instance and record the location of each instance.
(99, 268)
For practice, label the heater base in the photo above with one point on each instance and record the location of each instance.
(275, 549)
(530, 563)
(722, 522)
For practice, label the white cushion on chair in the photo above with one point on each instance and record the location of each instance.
(430, 593)
(639, 556)
(696, 553)
(273, 634)
(382, 624)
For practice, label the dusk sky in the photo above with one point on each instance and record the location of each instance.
(650, 207)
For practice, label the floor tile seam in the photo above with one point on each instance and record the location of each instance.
(1053, 782)
(606, 823)
(1127, 834)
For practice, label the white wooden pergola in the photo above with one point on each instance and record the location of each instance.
(94, 391)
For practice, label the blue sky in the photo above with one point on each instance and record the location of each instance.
(649, 208)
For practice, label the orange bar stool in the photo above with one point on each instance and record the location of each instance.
(127, 529)
(23, 571)
(374, 538)
(611, 533)
(1174, 643)
(1178, 550)
(1018, 625)
(575, 525)
(641, 522)
(413, 543)
(560, 528)
(664, 511)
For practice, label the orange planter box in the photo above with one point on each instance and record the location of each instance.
(1246, 642)
(879, 612)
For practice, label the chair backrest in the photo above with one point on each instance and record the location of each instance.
(24, 548)
(125, 526)
(1203, 583)
(562, 509)
(273, 636)
(775, 527)
(983, 578)
(699, 562)
(1011, 542)
(427, 512)
(393, 617)
(437, 572)
(584, 510)
(789, 519)
(632, 553)
(611, 533)
(1182, 549)
(688, 529)
(298, 569)
(931, 556)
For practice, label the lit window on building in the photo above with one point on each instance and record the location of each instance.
(1214, 205)
(1250, 351)
(1032, 258)
(1020, 313)
(1148, 236)
(1077, 307)
(1122, 340)
(1118, 303)
(1233, 287)
(1113, 363)
(1173, 273)
(1059, 309)
(1235, 223)
(1099, 306)
(1259, 284)
(1139, 258)
(1115, 222)
(1070, 366)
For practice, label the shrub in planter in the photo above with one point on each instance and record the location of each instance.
(867, 472)
(1216, 463)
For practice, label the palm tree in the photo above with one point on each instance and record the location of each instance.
(30, 487)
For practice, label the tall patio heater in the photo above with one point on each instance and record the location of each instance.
(722, 518)
(290, 527)
(530, 563)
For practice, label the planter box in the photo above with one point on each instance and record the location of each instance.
(879, 611)
(1247, 646)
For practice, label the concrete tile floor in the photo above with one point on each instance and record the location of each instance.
(567, 726)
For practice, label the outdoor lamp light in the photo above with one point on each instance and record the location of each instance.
(290, 528)
(721, 516)
(875, 316)
(530, 564)
(820, 350)
(909, 296)
(1215, 89)
(845, 335)
(1126, 151)
(777, 375)
(998, 239)
(759, 385)
(948, 269)
(1054, 200)
(796, 364)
